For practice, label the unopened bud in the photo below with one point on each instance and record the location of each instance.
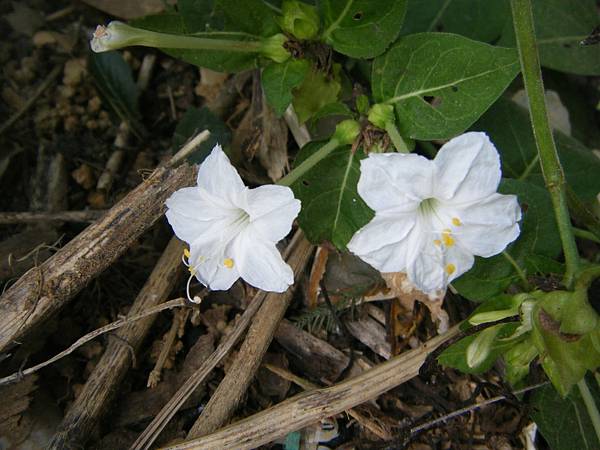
(380, 115)
(346, 131)
(273, 48)
(299, 19)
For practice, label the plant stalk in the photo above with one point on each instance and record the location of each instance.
(590, 405)
(309, 162)
(551, 168)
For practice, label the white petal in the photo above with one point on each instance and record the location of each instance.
(260, 264)
(490, 225)
(395, 181)
(218, 176)
(383, 242)
(468, 168)
(272, 210)
(192, 212)
(208, 258)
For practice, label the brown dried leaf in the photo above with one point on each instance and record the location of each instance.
(15, 402)
(407, 293)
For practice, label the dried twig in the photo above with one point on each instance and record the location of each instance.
(312, 406)
(14, 217)
(101, 386)
(31, 101)
(93, 335)
(149, 435)
(369, 424)
(228, 395)
(43, 291)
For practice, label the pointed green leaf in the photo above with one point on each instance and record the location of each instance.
(564, 422)
(332, 210)
(482, 20)
(278, 81)
(361, 28)
(441, 83)
(560, 26)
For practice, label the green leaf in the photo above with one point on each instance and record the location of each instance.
(332, 210)
(456, 355)
(251, 16)
(564, 422)
(200, 15)
(322, 124)
(361, 28)
(539, 236)
(278, 81)
(565, 358)
(509, 128)
(560, 26)
(211, 59)
(194, 121)
(517, 360)
(482, 20)
(317, 90)
(114, 80)
(441, 83)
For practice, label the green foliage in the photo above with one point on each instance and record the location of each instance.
(317, 90)
(361, 28)
(279, 80)
(539, 236)
(194, 121)
(564, 422)
(299, 19)
(482, 20)
(560, 26)
(250, 16)
(441, 83)
(509, 128)
(332, 210)
(115, 83)
(220, 61)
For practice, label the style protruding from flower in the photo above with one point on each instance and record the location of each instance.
(232, 230)
(433, 216)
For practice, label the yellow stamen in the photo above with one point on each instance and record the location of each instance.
(186, 253)
(192, 270)
(228, 263)
(450, 268)
(447, 238)
(437, 242)
(456, 222)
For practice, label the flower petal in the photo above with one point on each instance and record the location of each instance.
(490, 225)
(218, 176)
(468, 168)
(192, 212)
(395, 182)
(272, 209)
(383, 241)
(213, 263)
(261, 265)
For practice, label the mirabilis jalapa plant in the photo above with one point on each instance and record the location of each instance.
(367, 189)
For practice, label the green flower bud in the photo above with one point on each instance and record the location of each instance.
(481, 347)
(299, 19)
(362, 104)
(273, 48)
(380, 115)
(114, 36)
(346, 131)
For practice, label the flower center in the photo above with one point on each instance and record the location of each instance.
(427, 206)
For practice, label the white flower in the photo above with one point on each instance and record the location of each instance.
(231, 229)
(431, 217)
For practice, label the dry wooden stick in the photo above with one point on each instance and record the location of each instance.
(46, 288)
(101, 386)
(152, 431)
(176, 303)
(366, 422)
(14, 217)
(228, 395)
(312, 406)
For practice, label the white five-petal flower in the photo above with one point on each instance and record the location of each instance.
(432, 217)
(231, 229)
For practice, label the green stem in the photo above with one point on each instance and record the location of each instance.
(585, 234)
(532, 165)
(428, 148)
(397, 140)
(309, 162)
(520, 272)
(551, 167)
(590, 405)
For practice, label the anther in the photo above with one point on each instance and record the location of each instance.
(450, 268)
(456, 222)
